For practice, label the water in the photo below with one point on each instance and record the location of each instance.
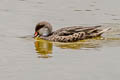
(21, 59)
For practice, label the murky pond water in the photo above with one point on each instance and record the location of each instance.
(23, 58)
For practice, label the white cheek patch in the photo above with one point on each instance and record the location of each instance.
(44, 31)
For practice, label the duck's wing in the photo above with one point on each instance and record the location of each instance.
(75, 29)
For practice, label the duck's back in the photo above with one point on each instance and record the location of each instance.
(74, 29)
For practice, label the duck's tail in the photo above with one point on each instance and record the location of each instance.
(104, 30)
(99, 33)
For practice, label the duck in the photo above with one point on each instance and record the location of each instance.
(43, 30)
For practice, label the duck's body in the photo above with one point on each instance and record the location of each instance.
(67, 34)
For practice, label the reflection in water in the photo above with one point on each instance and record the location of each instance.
(82, 44)
(43, 48)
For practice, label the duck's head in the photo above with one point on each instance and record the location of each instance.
(43, 29)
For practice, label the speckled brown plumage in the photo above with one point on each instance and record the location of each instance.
(72, 34)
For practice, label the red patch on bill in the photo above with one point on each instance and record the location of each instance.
(35, 34)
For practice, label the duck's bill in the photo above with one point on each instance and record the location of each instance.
(35, 34)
